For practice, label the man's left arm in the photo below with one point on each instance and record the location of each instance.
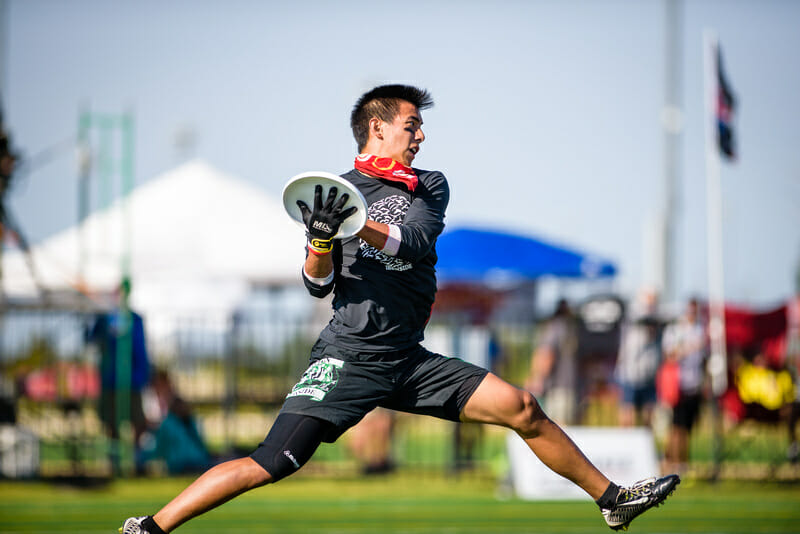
(424, 221)
(375, 234)
(322, 223)
(318, 274)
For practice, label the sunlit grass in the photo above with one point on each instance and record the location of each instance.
(400, 503)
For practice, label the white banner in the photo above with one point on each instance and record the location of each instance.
(624, 455)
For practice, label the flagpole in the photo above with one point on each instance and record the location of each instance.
(718, 360)
(717, 364)
(672, 122)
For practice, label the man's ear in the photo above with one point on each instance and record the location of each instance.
(375, 127)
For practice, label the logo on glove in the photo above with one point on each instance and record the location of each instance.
(320, 225)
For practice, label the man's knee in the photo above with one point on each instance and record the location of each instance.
(290, 443)
(250, 474)
(529, 417)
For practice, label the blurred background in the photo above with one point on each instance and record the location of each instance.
(151, 297)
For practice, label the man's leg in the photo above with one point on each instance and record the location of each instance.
(680, 448)
(216, 486)
(498, 402)
(291, 442)
(626, 415)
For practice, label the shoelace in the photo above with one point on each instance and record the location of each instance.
(639, 489)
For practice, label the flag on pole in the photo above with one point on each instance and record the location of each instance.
(718, 110)
(725, 107)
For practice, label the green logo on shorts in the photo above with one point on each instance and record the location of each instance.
(318, 380)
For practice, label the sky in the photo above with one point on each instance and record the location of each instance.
(547, 117)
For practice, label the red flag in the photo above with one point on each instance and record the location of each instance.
(725, 107)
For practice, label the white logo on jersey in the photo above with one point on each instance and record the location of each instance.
(389, 210)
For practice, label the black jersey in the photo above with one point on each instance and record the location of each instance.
(382, 302)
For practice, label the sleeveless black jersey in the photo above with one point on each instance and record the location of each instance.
(381, 303)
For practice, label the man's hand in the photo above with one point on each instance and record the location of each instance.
(322, 223)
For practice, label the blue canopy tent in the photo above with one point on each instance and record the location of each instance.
(474, 256)
(480, 271)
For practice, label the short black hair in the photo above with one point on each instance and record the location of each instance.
(383, 102)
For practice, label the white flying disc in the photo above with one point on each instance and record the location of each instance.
(301, 187)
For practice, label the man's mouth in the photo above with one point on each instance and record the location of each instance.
(414, 150)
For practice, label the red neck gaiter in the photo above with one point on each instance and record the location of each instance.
(388, 169)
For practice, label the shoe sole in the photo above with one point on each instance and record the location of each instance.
(658, 503)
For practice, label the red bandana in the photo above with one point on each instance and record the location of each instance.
(386, 168)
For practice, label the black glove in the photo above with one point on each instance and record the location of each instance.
(323, 222)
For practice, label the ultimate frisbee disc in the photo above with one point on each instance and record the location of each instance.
(301, 187)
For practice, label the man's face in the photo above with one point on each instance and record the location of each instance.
(691, 311)
(402, 137)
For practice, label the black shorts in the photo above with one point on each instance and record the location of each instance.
(341, 386)
(685, 413)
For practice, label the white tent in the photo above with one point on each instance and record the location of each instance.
(198, 240)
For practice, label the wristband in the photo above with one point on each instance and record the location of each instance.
(318, 281)
(320, 247)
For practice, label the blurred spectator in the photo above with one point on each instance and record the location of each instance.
(638, 361)
(371, 441)
(8, 399)
(158, 397)
(553, 376)
(685, 346)
(481, 348)
(108, 332)
(763, 389)
(178, 441)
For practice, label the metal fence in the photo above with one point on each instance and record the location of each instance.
(235, 373)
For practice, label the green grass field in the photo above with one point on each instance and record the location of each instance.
(395, 504)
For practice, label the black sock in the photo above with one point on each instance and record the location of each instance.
(609, 498)
(150, 526)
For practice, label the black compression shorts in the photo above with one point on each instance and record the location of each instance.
(341, 386)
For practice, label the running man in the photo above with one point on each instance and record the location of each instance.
(369, 355)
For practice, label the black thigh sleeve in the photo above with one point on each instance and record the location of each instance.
(289, 444)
